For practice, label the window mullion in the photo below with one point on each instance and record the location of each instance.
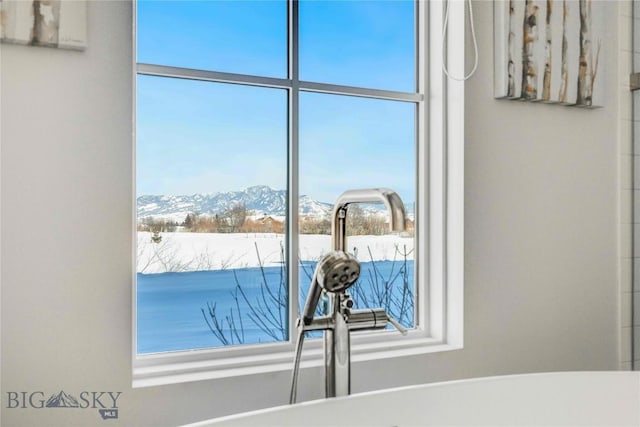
(210, 76)
(293, 169)
(360, 91)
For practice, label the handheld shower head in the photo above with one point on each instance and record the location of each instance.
(335, 272)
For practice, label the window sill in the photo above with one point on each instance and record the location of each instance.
(165, 369)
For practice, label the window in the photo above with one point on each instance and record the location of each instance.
(252, 118)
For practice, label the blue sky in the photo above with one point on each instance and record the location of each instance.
(209, 137)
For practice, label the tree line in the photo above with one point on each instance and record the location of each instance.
(237, 219)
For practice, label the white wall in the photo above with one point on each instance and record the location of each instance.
(628, 215)
(541, 251)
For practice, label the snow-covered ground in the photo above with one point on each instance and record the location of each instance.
(214, 251)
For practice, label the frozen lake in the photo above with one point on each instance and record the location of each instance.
(170, 305)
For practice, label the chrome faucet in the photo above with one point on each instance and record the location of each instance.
(334, 274)
(390, 198)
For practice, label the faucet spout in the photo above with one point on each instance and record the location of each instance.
(390, 198)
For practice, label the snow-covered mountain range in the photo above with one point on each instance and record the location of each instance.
(259, 199)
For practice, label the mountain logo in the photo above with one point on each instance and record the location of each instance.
(62, 400)
(106, 402)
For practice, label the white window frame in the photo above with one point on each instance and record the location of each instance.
(439, 214)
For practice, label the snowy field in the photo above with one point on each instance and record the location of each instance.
(217, 251)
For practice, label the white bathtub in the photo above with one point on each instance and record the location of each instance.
(550, 399)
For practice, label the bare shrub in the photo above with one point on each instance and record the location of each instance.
(268, 310)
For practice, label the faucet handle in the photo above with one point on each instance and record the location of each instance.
(372, 318)
(397, 325)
